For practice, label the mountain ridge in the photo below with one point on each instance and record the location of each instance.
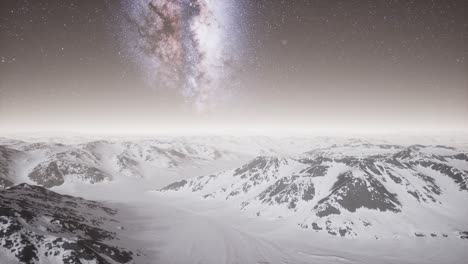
(38, 226)
(327, 190)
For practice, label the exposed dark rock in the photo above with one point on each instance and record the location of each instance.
(408, 153)
(258, 166)
(309, 193)
(70, 227)
(369, 165)
(345, 231)
(415, 195)
(393, 161)
(210, 195)
(354, 193)
(287, 190)
(463, 234)
(315, 161)
(325, 209)
(48, 177)
(175, 186)
(394, 178)
(365, 223)
(366, 182)
(233, 193)
(418, 234)
(461, 156)
(458, 176)
(431, 186)
(126, 162)
(343, 179)
(177, 154)
(315, 226)
(316, 171)
(350, 161)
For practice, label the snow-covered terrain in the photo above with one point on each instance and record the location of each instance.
(247, 199)
(51, 162)
(40, 226)
(8, 161)
(54, 164)
(353, 190)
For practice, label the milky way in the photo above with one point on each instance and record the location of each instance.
(182, 44)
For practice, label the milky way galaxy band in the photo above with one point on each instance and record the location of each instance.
(181, 44)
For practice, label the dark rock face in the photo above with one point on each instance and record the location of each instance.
(368, 165)
(380, 181)
(316, 227)
(459, 177)
(356, 194)
(258, 165)
(98, 161)
(353, 193)
(324, 208)
(202, 181)
(38, 226)
(50, 174)
(463, 234)
(316, 171)
(431, 185)
(395, 162)
(345, 231)
(395, 178)
(418, 234)
(342, 180)
(60, 161)
(175, 186)
(287, 191)
(177, 154)
(125, 161)
(309, 193)
(461, 156)
(48, 177)
(408, 153)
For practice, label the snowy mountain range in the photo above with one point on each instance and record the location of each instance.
(53, 164)
(349, 190)
(253, 191)
(40, 226)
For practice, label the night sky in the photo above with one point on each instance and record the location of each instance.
(233, 65)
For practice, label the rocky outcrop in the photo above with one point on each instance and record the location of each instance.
(40, 226)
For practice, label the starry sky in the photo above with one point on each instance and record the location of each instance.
(149, 66)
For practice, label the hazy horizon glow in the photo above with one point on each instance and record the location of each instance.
(136, 67)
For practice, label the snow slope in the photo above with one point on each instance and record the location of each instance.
(53, 164)
(352, 190)
(40, 226)
(262, 200)
(8, 161)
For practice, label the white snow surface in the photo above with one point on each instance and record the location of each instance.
(183, 227)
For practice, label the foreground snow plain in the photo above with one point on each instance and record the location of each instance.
(171, 229)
